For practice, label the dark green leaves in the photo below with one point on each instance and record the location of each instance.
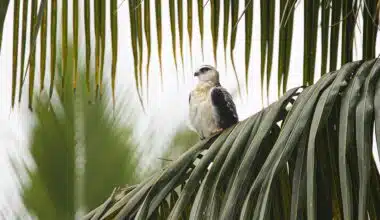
(75, 41)
(234, 20)
(53, 44)
(370, 22)
(347, 140)
(336, 9)
(173, 30)
(147, 36)
(285, 45)
(114, 36)
(15, 47)
(311, 15)
(226, 16)
(201, 23)
(64, 42)
(43, 46)
(136, 42)
(87, 35)
(248, 36)
(3, 11)
(348, 23)
(334, 14)
(159, 33)
(325, 16)
(190, 27)
(32, 38)
(215, 8)
(180, 27)
(23, 44)
(364, 130)
(267, 34)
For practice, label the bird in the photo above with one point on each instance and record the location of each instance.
(211, 107)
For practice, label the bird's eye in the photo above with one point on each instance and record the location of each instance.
(204, 69)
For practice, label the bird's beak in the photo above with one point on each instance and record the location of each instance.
(196, 73)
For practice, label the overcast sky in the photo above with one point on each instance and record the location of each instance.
(167, 106)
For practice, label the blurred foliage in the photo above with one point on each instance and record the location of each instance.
(181, 141)
(61, 129)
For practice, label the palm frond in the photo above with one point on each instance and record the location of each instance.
(64, 45)
(3, 12)
(248, 36)
(75, 42)
(114, 36)
(285, 45)
(334, 15)
(215, 12)
(53, 45)
(271, 164)
(311, 15)
(15, 48)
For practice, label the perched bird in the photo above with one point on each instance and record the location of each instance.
(211, 106)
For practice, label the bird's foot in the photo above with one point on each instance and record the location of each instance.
(218, 130)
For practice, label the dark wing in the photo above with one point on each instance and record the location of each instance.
(224, 107)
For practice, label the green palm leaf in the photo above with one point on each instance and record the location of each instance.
(53, 38)
(190, 27)
(226, 16)
(270, 19)
(15, 48)
(364, 130)
(147, 37)
(180, 27)
(32, 38)
(159, 34)
(173, 31)
(135, 47)
(64, 42)
(139, 27)
(87, 35)
(349, 14)
(325, 16)
(3, 11)
(336, 10)
(75, 42)
(97, 25)
(102, 42)
(272, 164)
(114, 37)
(215, 8)
(43, 47)
(285, 39)
(370, 22)
(234, 22)
(201, 23)
(311, 15)
(25, 7)
(248, 36)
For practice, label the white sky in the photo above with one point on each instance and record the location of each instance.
(167, 106)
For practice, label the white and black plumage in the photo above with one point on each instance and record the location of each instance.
(212, 108)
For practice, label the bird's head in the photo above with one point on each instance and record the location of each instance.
(207, 73)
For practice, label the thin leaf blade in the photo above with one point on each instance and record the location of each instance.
(16, 13)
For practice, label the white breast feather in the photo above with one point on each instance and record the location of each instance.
(201, 111)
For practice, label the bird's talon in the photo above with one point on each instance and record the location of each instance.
(218, 130)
